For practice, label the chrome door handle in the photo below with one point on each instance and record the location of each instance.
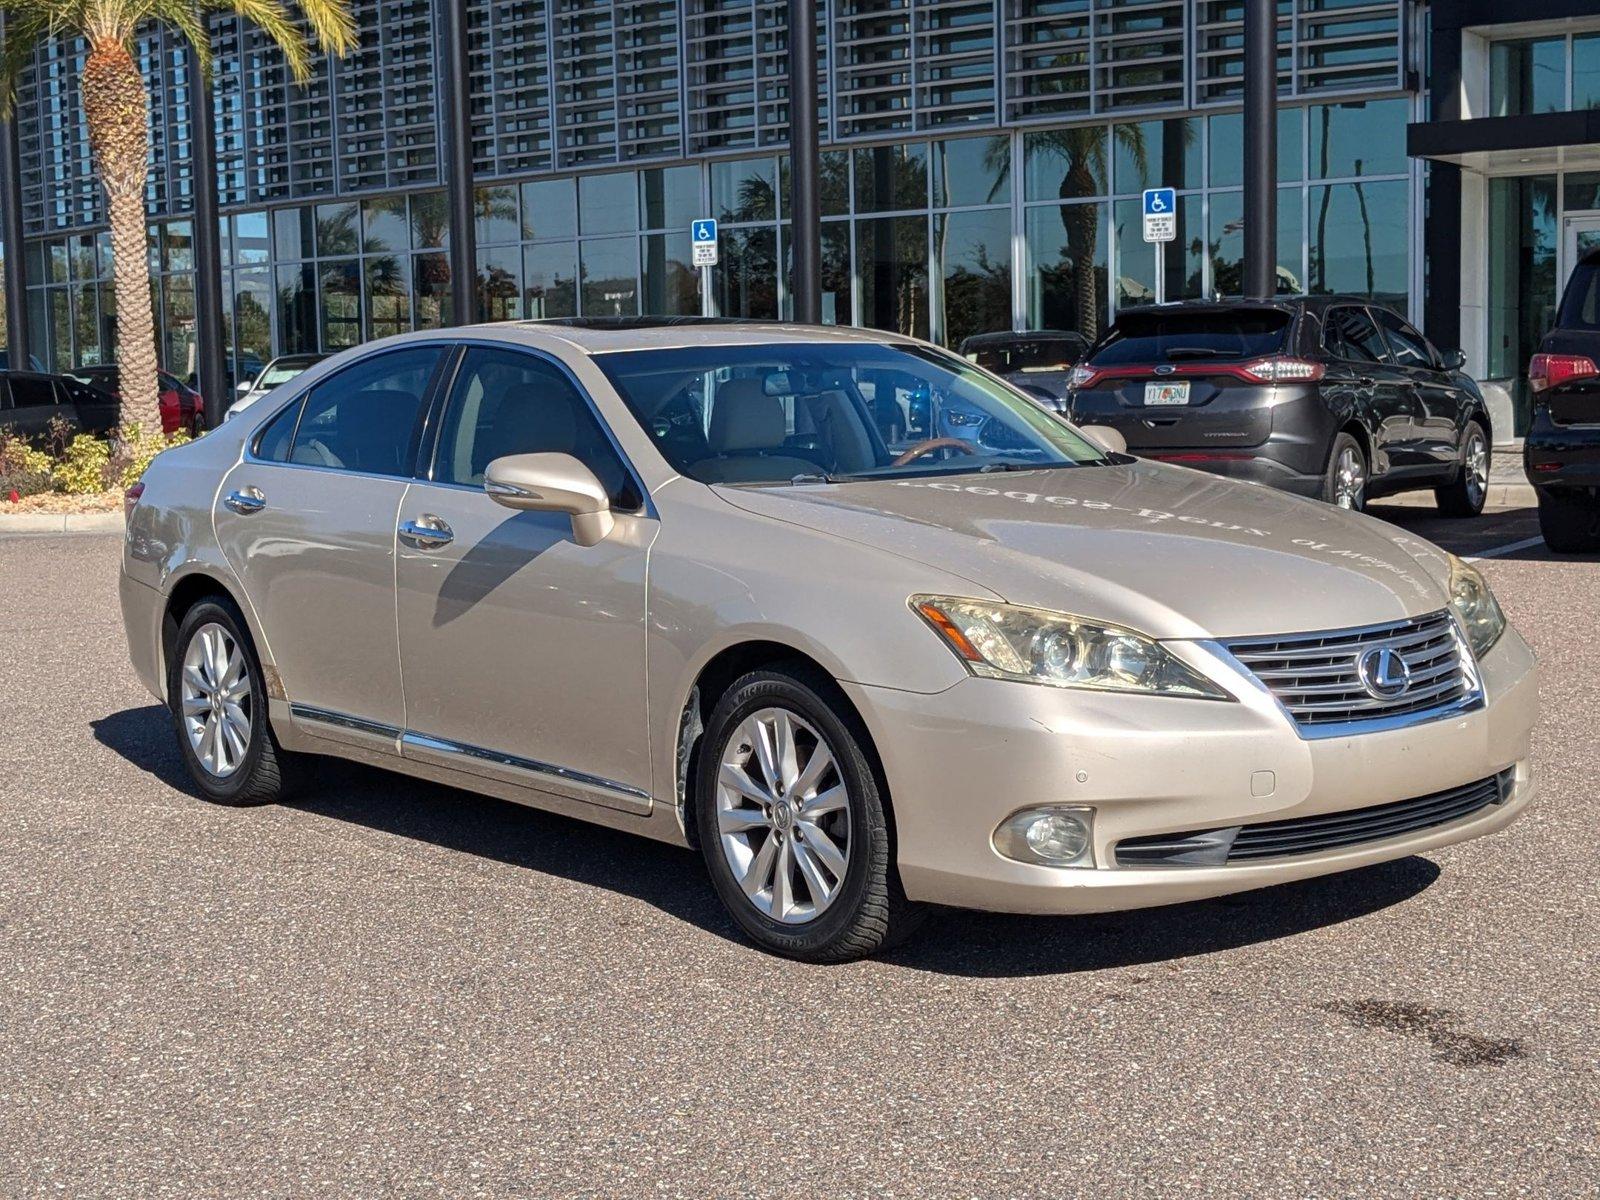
(246, 501)
(429, 533)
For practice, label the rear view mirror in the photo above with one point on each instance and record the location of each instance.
(1105, 437)
(552, 483)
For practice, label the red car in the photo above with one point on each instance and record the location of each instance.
(181, 406)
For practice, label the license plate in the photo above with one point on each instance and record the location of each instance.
(1166, 393)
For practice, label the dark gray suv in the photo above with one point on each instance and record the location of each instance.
(1326, 396)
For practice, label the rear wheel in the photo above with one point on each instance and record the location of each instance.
(1465, 496)
(792, 823)
(1345, 485)
(218, 700)
(1570, 525)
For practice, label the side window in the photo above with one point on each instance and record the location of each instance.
(509, 402)
(272, 443)
(363, 418)
(1350, 334)
(33, 391)
(1410, 348)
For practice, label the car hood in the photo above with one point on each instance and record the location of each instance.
(1172, 552)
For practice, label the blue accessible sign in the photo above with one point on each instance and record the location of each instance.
(703, 241)
(1160, 214)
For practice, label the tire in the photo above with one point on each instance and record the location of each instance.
(1569, 526)
(261, 772)
(1345, 456)
(1465, 495)
(866, 911)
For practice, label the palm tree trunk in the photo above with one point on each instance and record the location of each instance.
(117, 109)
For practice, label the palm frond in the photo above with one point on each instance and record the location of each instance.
(26, 26)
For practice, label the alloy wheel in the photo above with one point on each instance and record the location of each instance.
(1476, 468)
(1349, 479)
(783, 816)
(218, 708)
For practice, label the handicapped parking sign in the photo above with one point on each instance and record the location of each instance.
(703, 242)
(1160, 219)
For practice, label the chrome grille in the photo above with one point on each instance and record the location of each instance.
(1317, 676)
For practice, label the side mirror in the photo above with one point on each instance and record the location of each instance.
(1454, 360)
(243, 387)
(1106, 437)
(552, 483)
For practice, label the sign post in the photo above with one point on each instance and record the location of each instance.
(703, 245)
(1160, 226)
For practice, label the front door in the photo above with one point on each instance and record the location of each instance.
(307, 521)
(522, 652)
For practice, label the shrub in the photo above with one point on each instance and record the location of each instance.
(23, 469)
(135, 450)
(81, 469)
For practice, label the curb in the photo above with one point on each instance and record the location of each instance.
(102, 522)
(1501, 495)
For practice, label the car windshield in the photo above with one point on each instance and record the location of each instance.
(279, 373)
(1171, 337)
(782, 413)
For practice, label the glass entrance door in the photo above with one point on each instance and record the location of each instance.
(1582, 234)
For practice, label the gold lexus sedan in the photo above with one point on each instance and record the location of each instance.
(841, 610)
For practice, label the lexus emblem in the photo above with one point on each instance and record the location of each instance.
(1383, 673)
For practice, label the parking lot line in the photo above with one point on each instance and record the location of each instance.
(1510, 548)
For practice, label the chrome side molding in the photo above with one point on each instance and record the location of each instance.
(472, 760)
(528, 772)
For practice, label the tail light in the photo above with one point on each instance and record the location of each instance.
(1082, 376)
(1547, 370)
(130, 499)
(1282, 369)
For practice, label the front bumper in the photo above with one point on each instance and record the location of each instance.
(960, 761)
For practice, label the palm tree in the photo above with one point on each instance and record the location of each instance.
(1082, 151)
(117, 107)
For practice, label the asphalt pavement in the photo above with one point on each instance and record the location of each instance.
(393, 988)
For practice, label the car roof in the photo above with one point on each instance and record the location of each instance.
(609, 335)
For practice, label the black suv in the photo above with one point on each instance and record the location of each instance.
(1326, 396)
(1562, 451)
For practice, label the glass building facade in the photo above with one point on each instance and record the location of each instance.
(982, 161)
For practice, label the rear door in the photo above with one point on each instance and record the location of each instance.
(98, 411)
(307, 520)
(1363, 376)
(1437, 402)
(36, 405)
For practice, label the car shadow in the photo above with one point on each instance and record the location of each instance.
(673, 880)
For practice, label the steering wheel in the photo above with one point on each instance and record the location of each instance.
(929, 446)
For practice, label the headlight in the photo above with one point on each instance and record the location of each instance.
(1475, 606)
(1033, 645)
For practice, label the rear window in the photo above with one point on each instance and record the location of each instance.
(1174, 337)
(1580, 306)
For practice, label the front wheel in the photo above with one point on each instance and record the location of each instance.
(1465, 495)
(792, 823)
(218, 699)
(1345, 485)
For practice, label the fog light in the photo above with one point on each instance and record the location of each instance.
(1057, 836)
